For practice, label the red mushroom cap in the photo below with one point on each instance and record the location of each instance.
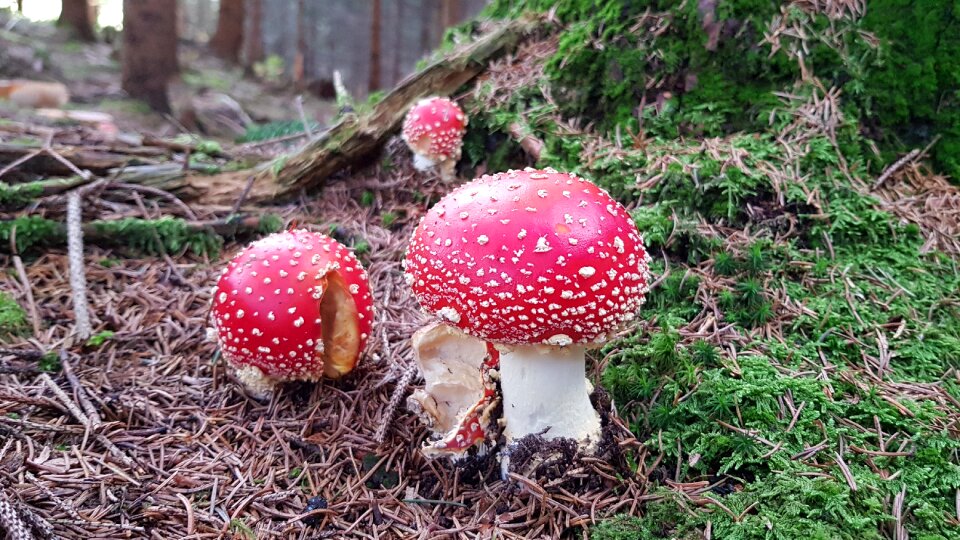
(529, 257)
(295, 305)
(434, 128)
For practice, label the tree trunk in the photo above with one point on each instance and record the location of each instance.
(397, 64)
(299, 56)
(375, 47)
(20, 6)
(253, 36)
(228, 39)
(449, 14)
(149, 50)
(77, 15)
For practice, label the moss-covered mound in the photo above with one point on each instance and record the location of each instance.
(712, 68)
(796, 372)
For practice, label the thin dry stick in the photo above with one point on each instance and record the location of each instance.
(80, 391)
(65, 400)
(81, 417)
(10, 521)
(25, 282)
(847, 475)
(40, 526)
(28, 291)
(78, 279)
(303, 117)
(402, 384)
(897, 165)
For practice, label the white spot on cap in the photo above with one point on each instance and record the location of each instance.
(449, 314)
(588, 271)
(542, 245)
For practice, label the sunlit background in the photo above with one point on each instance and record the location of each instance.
(111, 11)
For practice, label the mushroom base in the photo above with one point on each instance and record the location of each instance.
(546, 393)
(445, 167)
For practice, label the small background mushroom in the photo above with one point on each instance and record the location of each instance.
(433, 130)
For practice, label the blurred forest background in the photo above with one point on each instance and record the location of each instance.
(364, 40)
(293, 47)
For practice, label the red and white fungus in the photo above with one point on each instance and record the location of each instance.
(542, 264)
(459, 391)
(433, 130)
(294, 305)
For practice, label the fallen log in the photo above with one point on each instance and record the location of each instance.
(346, 143)
(146, 236)
(357, 136)
(97, 161)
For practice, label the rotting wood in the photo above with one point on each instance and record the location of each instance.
(357, 136)
(94, 232)
(346, 143)
(96, 161)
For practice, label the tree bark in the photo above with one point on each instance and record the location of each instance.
(299, 57)
(227, 41)
(77, 15)
(449, 14)
(149, 50)
(253, 35)
(375, 47)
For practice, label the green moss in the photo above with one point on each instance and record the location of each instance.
(152, 237)
(898, 67)
(19, 194)
(13, 318)
(30, 232)
(800, 281)
(269, 224)
(913, 94)
(274, 130)
(159, 236)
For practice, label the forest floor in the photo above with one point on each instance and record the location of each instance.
(140, 431)
(775, 384)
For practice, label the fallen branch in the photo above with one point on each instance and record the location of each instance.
(40, 161)
(900, 163)
(357, 136)
(10, 522)
(78, 278)
(148, 236)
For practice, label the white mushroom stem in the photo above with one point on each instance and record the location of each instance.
(422, 163)
(546, 392)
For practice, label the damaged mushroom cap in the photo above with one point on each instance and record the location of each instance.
(434, 128)
(526, 257)
(292, 306)
(459, 393)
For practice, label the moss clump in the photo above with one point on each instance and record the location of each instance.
(13, 319)
(159, 236)
(20, 194)
(30, 232)
(914, 92)
(897, 66)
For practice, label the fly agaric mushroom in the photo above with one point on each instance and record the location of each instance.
(459, 393)
(543, 265)
(294, 305)
(433, 129)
